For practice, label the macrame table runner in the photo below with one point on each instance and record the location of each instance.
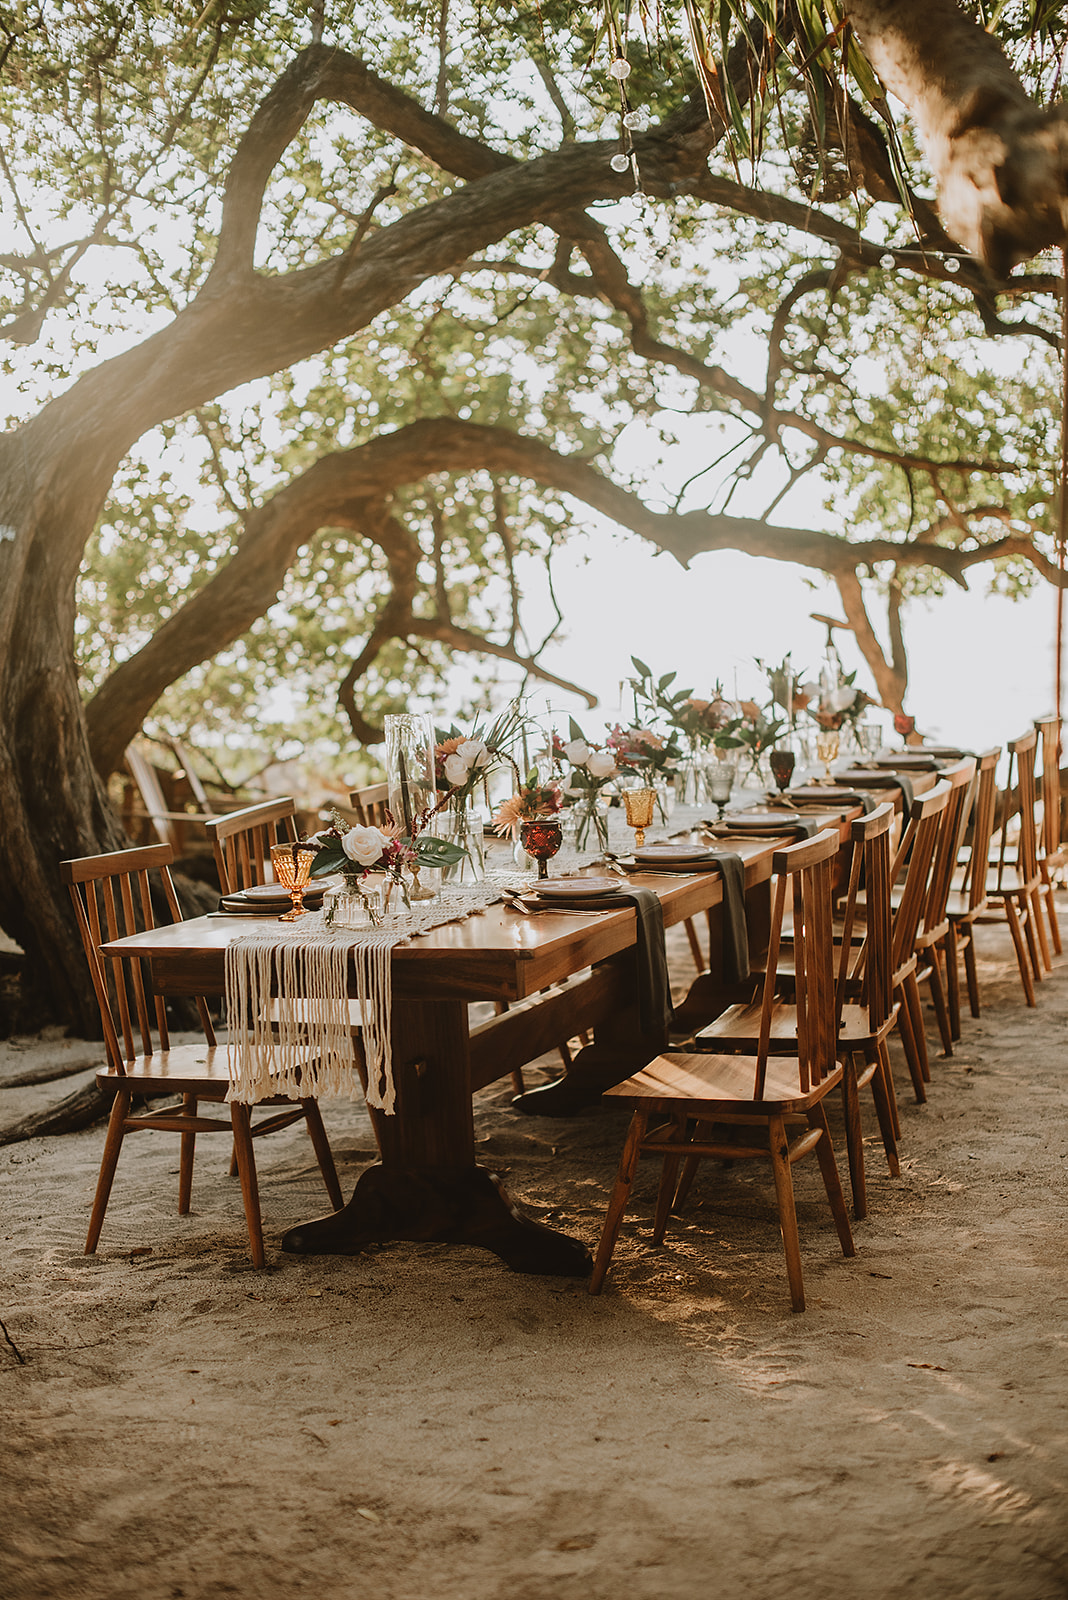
(303, 1046)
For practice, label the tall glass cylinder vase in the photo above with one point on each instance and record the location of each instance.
(410, 767)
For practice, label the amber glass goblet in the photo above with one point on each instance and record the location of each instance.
(827, 742)
(291, 864)
(541, 838)
(638, 805)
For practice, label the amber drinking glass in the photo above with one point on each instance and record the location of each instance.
(541, 838)
(638, 805)
(292, 867)
(827, 742)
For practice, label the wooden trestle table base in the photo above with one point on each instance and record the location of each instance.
(428, 1185)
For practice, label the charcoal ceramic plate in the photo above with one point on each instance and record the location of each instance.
(577, 888)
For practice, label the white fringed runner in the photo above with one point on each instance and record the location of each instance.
(301, 1045)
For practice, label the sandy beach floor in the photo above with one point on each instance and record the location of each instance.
(419, 1421)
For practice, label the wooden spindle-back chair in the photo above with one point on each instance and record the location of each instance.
(371, 805)
(1014, 881)
(113, 897)
(966, 903)
(710, 1105)
(1052, 852)
(242, 842)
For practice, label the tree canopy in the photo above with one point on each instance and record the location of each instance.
(320, 316)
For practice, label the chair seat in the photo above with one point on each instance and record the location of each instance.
(736, 1030)
(959, 909)
(199, 1069)
(707, 1083)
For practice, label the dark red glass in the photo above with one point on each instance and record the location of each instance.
(541, 838)
(782, 767)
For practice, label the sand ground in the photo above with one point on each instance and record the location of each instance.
(421, 1422)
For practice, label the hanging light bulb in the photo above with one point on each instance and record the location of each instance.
(620, 68)
(620, 162)
(634, 120)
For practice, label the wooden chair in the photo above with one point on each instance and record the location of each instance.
(371, 805)
(1052, 852)
(1013, 894)
(112, 897)
(242, 842)
(932, 936)
(168, 826)
(699, 1094)
(966, 903)
(865, 1008)
(912, 869)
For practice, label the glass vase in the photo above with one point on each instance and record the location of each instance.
(591, 823)
(462, 827)
(410, 768)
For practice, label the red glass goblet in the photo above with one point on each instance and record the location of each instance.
(541, 838)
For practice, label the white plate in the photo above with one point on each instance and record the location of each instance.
(671, 853)
(577, 888)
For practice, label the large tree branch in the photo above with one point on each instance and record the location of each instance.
(351, 488)
(1000, 161)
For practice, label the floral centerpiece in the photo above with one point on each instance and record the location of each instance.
(702, 723)
(532, 799)
(358, 853)
(833, 705)
(591, 767)
(463, 761)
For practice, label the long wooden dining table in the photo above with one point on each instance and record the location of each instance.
(561, 973)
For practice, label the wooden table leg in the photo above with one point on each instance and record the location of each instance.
(619, 1049)
(428, 1186)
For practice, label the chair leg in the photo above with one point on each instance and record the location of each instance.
(779, 1147)
(689, 1173)
(617, 1205)
(1051, 907)
(246, 1167)
(323, 1153)
(970, 973)
(938, 995)
(695, 946)
(669, 1174)
(1012, 917)
(908, 1042)
(953, 981)
(120, 1110)
(1036, 922)
(185, 1158)
(817, 1118)
(882, 1088)
(919, 1033)
(854, 1136)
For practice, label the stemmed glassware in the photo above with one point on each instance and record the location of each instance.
(541, 838)
(827, 742)
(782, 763)
(638, 806)
(719, 781)
(291, 864)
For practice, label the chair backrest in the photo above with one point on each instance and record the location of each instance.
(806, 871)
(243, 840)
(371, 804)
(962, 786)
(871, 959)
(912, 865)
(1022, 754)
(112, 897)
(1049, 733)
(982, 827)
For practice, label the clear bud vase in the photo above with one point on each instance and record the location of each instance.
(460, 825)
(591, 823)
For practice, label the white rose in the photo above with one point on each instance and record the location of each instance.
(474, 753)
(841, 699)
(456, 769)
(577, 752)
(364, 845)
(601, 764)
